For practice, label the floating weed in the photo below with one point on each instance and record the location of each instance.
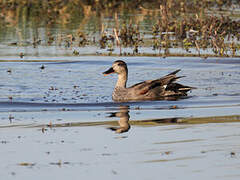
(50, 125)
(174, 107)
(27, 164)
(21, 55)
(167, 153)
(233, 154)
(42, 67)
(59, 163)
(75, 53)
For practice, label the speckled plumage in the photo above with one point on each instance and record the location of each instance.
(146, 90)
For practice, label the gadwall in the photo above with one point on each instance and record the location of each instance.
(164, 87)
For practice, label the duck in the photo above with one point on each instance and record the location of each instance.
(162, 88)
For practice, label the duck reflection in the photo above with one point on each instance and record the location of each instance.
(123, 114)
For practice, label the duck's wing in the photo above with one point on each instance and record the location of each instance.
(145, 86)
(165, 79)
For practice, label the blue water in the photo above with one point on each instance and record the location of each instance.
(76, 85)
(56, 122)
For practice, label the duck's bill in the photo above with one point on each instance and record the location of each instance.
(109, 71)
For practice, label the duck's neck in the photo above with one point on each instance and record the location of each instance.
(122, 80)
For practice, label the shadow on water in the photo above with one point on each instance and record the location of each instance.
(124, 123)
(123, 114)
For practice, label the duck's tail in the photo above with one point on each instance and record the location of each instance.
(174, 72)
(176, 87)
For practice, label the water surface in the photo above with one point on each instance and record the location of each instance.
(57, 115)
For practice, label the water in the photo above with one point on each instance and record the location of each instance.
(76, 80)
(57, 118)
(61, 119)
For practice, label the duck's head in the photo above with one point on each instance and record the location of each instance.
(119, 67)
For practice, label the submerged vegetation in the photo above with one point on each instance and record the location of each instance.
(164, 28)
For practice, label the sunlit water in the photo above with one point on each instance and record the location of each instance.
(56, 121)
(57, 117)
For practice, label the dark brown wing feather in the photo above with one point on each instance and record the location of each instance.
(145, 86)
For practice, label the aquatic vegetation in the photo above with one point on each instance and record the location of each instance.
(75, 52)
(83, 41)
(206, 28)
(27, 164)
(21, 55)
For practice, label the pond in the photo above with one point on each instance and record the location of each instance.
(61, 118)
(57, 116)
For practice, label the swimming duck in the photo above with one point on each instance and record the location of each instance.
(164, 87)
